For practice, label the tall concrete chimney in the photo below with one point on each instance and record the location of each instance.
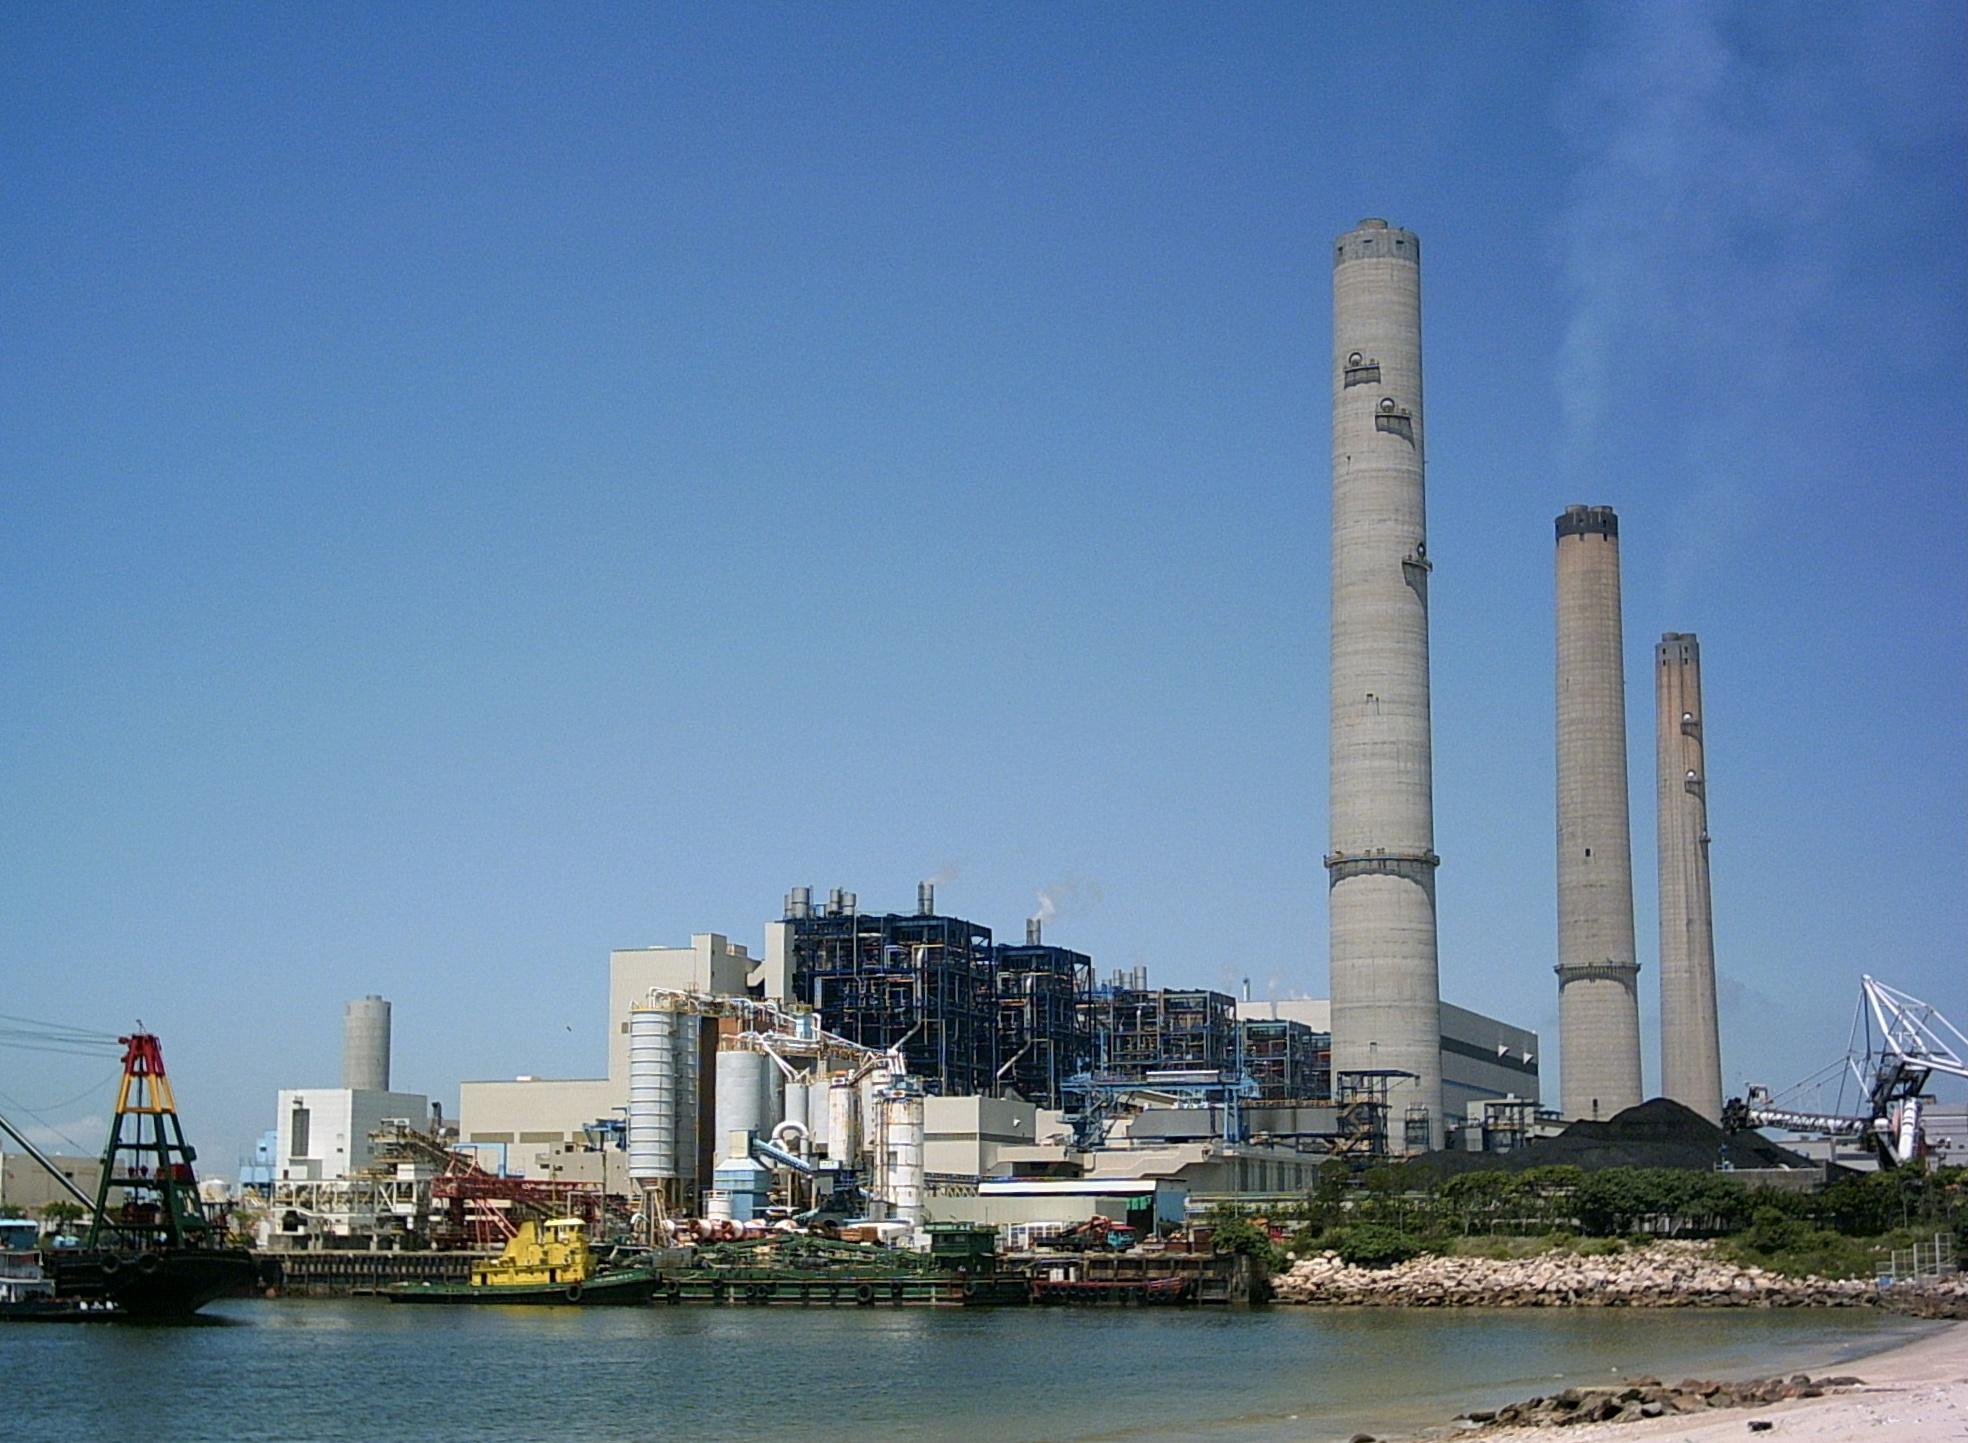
(1386, 991)
(1598, 1001)
(925, 899)
(1691, 1049)
(366, 1044)
(1034, 931)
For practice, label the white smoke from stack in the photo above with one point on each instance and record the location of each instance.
(1068, 895)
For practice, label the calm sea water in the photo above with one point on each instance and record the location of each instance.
(319, 1370)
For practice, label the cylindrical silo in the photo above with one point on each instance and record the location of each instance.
(653, 1121)
(1691, 1048)
(1598, 1002)
(873, 1119)
(1386, 992)
(798, 1093)
(773, 1107)
(366, 1044)
(685, 1063)
(744, 1095)
(903, 1174)
(844, 1121)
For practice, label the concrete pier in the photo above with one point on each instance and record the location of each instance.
(1598, 1001)
(1386, 994)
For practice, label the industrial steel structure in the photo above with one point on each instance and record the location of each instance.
(923, 984)
(1598, 1001)
(1139, 1030)
(1898, 1043)
(1286, 1060)
(1044, 1032)
(1386, 991)
(1691, 1047)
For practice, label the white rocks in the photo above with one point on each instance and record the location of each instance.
(1666, 1274)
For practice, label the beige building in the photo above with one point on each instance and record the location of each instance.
(26, 1188)
(525, 1125)
(986, 1136)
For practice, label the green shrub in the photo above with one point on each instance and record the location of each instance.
(1370, 1245)
(1233, 1234)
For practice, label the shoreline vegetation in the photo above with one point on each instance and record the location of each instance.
(1620, 1236)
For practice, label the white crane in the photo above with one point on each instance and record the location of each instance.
(1905, 1042)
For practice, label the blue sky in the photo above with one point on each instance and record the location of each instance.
(482, 486)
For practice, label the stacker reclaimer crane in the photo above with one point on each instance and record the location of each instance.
(1898, 1044)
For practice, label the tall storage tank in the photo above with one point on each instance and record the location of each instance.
(904, 1172)
(844, 1121)
(686, 1061)
(653, 1111)
(798, 1103)
(366, 1044)
(744, 1095)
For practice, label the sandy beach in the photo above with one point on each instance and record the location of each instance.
(1917, 1392)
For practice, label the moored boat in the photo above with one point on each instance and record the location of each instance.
(152, 1253)
(1164, 1291)
(544, 1263)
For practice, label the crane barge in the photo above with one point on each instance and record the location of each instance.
(153, 1253)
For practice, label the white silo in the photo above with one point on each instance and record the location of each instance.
(903, 1146)
(653, 1140)
(747, 1098)
(844, 1121)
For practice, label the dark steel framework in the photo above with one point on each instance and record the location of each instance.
(923, 984)
(1138, 1031)
(1045, 1034)
(1288, 1061)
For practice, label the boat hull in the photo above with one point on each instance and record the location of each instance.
(761, 1288)
(610, 1290)
(1146, 1292)
(152, 1286)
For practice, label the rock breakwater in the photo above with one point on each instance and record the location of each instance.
(1664, 1275)
(1650, 1398)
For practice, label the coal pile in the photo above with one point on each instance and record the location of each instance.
(1659, 1133)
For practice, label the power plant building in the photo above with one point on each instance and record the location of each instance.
(321, 1134)
(1386, 993)
(519, 1124)
(1483, 1059)
(1691, 1052)
(1043, 1036)
(1598, 999)
(920, 982)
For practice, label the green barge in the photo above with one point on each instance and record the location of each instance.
(960, 1270)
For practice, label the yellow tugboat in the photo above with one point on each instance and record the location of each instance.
(545, 1262)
